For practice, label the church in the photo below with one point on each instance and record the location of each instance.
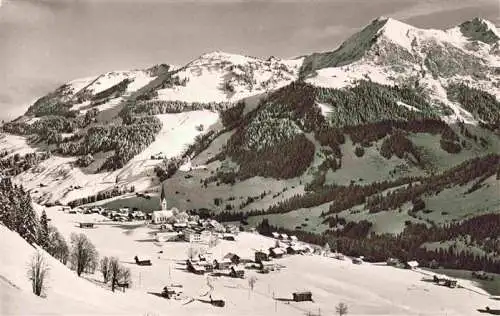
(162, 216)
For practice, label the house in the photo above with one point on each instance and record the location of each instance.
(167, 227)
(196, 269)
(168, 236)
(205, 236)
(269, 266)
(294, 238)
(393, 262)
(338, 256)
(228, 236)
(191, 236)
(284, 236)
(357, 260)
(294, 249)
(66, 209)
(86, 225)
(276, 252)
(302, 296)
(233, 257)
(209, 267)
(180, 226)
(276, 235)
(222, 264)
(411, 265)
(139, 215)
(237, 272)
(232, 229)
(261, 256)
(215, 226)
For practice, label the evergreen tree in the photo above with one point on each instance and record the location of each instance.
(43, 232)
(26, 221)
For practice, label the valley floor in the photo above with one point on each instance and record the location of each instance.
(368, 289)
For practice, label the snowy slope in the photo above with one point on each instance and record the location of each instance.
(207, 78)
(383, 290)
(59, 175)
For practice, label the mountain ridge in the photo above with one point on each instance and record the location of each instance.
(394, 69)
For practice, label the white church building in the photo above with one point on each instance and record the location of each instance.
(164, 215)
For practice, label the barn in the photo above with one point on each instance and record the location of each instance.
(233, 257)
(412, 265)
(86, 225)
(228, 236)
(237, 272)
(302, 296)
(222, 264)
(261, 256)
(277, 252)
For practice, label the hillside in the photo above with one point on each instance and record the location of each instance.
(380, 133)
(398, 291)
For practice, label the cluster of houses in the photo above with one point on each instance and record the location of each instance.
(175, 225)
(121, 215)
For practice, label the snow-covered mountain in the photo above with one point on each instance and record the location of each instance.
(219, 77)
(128, 120)
(394, 53)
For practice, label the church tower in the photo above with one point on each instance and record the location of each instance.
(163, 199)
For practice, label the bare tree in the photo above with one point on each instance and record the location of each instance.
(192, 252)
(57, 248)
(104, 266)
(251, 281)
(114, 272)
(117, 273)
(83, 254)
(37, 272)
(341, 309)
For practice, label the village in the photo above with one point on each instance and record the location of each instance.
(211, 250)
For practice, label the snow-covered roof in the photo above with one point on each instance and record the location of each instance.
(412, 263)
(278, 251)
(297, 248)
(275, 235)
(167, 214)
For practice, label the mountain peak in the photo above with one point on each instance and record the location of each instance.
(480, 30)
(224, 56)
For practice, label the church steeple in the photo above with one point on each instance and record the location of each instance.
(163, 199)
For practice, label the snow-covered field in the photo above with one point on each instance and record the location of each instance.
(58, 174)
(368, 289)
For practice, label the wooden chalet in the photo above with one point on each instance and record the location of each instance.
(229, 236)
(412, 265)
(222, 264)
(302, 296)
(393, 262)
(237, 272)
(276, 252)
(196, 269)
(235, 259)
(294, 249)
(86, 225)
(357, 260)
(261, 256)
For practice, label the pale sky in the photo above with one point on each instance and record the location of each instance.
(44, 43)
